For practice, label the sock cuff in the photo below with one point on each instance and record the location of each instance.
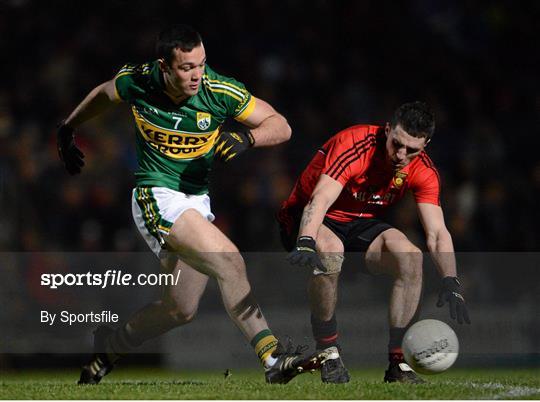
(324, 332)
(264, 333)
(264, 344)
(395, 355)
(328, 339)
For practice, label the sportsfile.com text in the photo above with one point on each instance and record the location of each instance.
(111, 277)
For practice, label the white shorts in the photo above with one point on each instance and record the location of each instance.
(155, 209)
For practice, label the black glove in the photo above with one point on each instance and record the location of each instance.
(232, 143)
(450, 293)
(305, 254)
(68, 151)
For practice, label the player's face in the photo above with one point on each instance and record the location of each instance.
(183, 76)
(401, 147)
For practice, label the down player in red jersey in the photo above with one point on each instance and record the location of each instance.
(334, 207)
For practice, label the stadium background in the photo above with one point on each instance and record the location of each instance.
(325, 65)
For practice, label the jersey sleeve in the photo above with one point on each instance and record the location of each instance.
(232, 97)
(426, 186)
(339, 157)
(126, 81)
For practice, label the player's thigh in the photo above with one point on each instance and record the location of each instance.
(185, 295)
(328, 241)
(202, 245)
(387, 250)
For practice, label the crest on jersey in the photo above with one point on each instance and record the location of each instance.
(203, 120)
(399, 179)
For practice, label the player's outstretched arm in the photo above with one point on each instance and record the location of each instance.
(325, 193)
(440, 245)
(97, 101)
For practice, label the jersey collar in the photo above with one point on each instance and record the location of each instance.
(157, 77)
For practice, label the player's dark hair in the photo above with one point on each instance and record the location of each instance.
(416, 118)
(179, 36)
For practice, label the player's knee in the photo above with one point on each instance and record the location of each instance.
(226, 263)
(331, 251)
(183, 314)
(332, 262)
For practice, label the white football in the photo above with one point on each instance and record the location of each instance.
(430, 346)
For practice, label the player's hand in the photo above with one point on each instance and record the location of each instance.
(230, 144)
(304, 254)
(68, 151)
(450, 292)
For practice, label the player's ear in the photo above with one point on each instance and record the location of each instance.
(163, 66)
(427, 142)
(387, 129)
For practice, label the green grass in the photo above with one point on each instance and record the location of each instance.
(126, 383)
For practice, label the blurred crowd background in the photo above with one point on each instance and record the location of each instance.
(325, 65)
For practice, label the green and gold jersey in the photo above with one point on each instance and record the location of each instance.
(175, 142)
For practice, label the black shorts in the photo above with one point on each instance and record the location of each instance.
(356, 236)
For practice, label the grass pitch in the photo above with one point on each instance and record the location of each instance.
(124, 383)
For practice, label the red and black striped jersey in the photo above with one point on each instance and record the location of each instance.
(356, 157)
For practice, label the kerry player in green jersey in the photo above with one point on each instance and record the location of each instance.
(179, 104)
